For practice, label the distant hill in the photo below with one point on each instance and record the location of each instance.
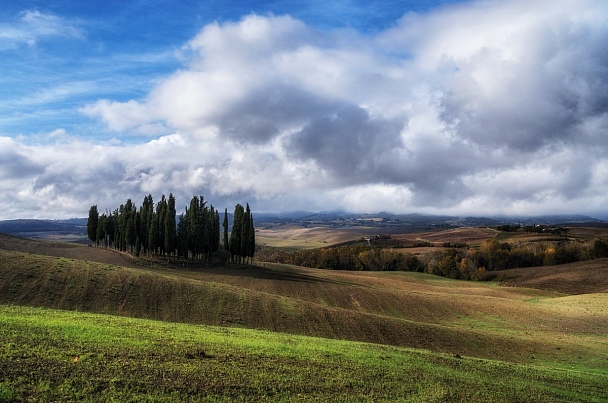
(74, 229)
(383, 219)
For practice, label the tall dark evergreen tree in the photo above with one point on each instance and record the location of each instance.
(170, 226)
(182, 236)
(130, 222)
(244, 252)
(117, 231)
(225, 225)
(92, 223)
(101, 229)
(235, 235)
(216, 230)
(204, 227)
(146, 212)
(251, 243)
(153, 235)
(161, 212)
(109, 228)
(192, 218)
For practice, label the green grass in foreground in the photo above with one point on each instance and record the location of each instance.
(123, 359)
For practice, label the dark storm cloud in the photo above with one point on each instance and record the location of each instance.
(15, 166)
(351, 144)
(270, 110)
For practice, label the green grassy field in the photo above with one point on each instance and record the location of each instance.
(52, 355)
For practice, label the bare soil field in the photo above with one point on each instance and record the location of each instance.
(66, 249)
(395, 237)
(573, 278)
(459, 235)
(307, 238)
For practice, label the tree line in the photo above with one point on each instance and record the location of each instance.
(155, 230)
(453, 262)
(358, 257)
(476, 264)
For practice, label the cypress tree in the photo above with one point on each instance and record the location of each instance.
(92, 223)
(225, 224)
(193, 227)
(100, 229)
(146, 211)
(235, 235)
(161, 211)
(121, 227)
(251, 242)
(170, 226)
(216, 231)
(153, 235)
(204, 227)
(116, 222)
(109, 228)
(244, 252)
(182, 236)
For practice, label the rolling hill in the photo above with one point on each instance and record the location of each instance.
(402, 309)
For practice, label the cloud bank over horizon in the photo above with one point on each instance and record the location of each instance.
(476, 108)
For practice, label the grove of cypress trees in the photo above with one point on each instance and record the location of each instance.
(155, 231)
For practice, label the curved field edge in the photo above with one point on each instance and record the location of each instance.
(53, 355)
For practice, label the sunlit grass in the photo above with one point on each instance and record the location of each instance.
(51, 355)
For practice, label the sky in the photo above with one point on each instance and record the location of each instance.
(459, 107)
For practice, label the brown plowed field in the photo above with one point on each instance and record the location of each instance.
(573, 278)
(67, 250)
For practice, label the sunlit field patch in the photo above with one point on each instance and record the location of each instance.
(59, 355)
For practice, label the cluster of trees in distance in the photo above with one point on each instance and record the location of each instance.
(474, 264)
(348, 257)
(156, 230)
(459, 262)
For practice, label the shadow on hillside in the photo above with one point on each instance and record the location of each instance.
(265, 273)
(261, 273)
(254, 272)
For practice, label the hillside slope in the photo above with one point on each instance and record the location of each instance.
(573, 278)
(404, 309)
(51, 355)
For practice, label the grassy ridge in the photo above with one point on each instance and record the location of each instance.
(53, 355)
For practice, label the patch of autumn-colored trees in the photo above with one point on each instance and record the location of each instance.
(157, 231)
(457, 263)
(350, 257)
(474, 264)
